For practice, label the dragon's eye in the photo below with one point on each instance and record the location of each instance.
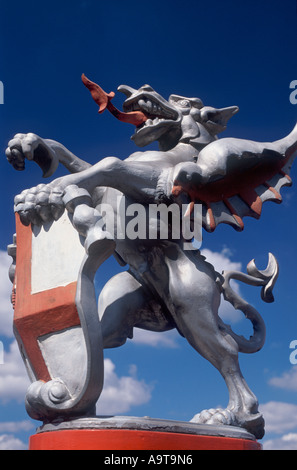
(184, 103)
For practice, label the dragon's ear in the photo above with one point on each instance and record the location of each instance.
(216, 119)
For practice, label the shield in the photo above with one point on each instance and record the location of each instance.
(56, 321)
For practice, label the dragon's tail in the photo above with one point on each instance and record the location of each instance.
(266, 279)
(288, 146)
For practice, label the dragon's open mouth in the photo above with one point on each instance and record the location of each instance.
(152, 109)
(160, 115)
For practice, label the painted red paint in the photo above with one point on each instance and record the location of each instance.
(40, 313)
(241, 183)
(104, 101)
(122, 439)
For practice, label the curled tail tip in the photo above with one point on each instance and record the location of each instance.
(268, 276)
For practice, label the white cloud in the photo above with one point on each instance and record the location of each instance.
(221, 260)
(279, 417)
(6, 310)
(287, 381)
(121, 393)
(14, 380)
(152, 338)
(15, 426)
(286, 442)
(9, 442)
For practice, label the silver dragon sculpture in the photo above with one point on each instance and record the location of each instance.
(165, 286)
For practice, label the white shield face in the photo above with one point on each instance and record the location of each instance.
(57, 254)
(48, 262)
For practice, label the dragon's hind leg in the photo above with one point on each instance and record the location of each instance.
(198, 321)
(124, 304)
(222, 351)
(242, 409)
(222, 346)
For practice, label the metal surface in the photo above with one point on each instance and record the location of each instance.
(169, 284)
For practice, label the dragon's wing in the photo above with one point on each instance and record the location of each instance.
(233, 177)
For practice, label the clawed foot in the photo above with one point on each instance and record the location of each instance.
(215, 416)
(253, 423)
(31, 147)
(40, 204)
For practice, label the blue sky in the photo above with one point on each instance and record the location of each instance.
(225, 52)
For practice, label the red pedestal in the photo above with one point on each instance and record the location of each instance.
(123, 439)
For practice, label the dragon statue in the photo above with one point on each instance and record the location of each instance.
(167, 286)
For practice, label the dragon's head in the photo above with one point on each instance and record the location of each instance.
(179, 119)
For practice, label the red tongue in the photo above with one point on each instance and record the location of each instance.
(104, 101)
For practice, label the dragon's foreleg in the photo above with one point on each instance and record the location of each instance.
(45, 202)
(46, 153)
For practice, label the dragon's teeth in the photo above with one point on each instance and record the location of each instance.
(145, 105)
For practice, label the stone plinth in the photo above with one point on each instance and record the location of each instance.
(130, 433)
